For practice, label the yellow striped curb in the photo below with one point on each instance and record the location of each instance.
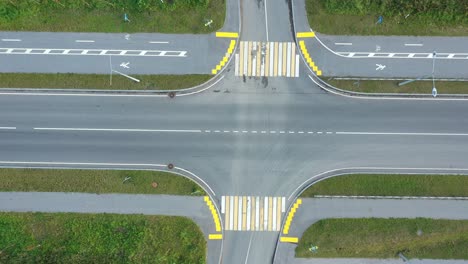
(225, 59)
(289, 239)
(214, 213)
(227, 34)
(215, 236)
(305, 34)
(291, 216)
(308, 58)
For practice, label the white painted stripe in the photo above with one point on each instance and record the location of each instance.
(84, 41)
(236, 69)
(401, 134)
(249, 208)
(282, 132)
(297, 65)
(413, 45)
(254, 58)
(103, 52)
(300, 132)
(274, 213)
(117, 129)
(266, 24)
(351, 54)
(272, 58)
(9, 51)
(450, 56)
(8, 128)
(217, 131)
(343, 43)
(280, 59)
(391, 55)
(371, 55)
(283, 204)
(411, 55)
(257, 213)
(226, 131)
(319, 132)
(159, 42)
(11, 40)
(223, 204)
(231, 213)
(143, 53)
(265, 213)
(288, 58)
(246, 57)
(236, 131)
(239, 213)
(291, 132)
(254, 131)
(29, 51)
(310, 132)
(272, 132)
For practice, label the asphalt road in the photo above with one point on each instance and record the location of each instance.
(252, 136)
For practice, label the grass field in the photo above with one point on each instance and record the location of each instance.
(100, 81)
(364, 23)
(164, 16)
(417, 87)
(385, 238)
(96, 181)
(389, 185)
(99, 238)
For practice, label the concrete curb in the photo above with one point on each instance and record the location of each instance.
(332, 89)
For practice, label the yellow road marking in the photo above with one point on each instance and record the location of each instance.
(252, 213)
(289, 239)
(244, 212)
(285, 56)
(270, 212)
(261, 215)
(241, 58)
(259, 58)
(267, 59)
(305, 34)
(227, 34)
(236, 206)
(215, 236)
(275, 65)
(249, 55)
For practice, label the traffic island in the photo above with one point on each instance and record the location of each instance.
(99, 238)
(101, 81)
(97, 181)
(385, 238)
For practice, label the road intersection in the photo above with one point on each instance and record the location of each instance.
(246, 136)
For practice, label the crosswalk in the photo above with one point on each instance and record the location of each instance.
(270, 59)
(252, 213)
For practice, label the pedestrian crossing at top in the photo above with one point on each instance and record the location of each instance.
(252, 213)
(270, 59)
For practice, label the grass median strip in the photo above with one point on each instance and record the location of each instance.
(164, 16)
(100, 81)
(360, 17)
(391, 185)
(417, 87)
(99, 238)
(96, 181)
(385, 238)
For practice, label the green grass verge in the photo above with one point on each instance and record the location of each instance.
(385, 238)
(96, 181)
(389, 185)
(164, 16)
(100, 81)
(99, 238)
(421, 87)
(349, 21)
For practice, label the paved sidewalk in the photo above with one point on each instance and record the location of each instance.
(314, 209)
(191, 207)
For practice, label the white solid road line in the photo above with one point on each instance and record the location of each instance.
(11, 39)
(401, 134)
(266, 20)
(413, 45)
(343, 44)
(116, 129)
(84, 41)
(8, 128)
(159, 42)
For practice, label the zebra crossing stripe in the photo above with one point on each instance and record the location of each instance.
(288, 68)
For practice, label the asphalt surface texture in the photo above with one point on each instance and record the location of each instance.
(246, 135)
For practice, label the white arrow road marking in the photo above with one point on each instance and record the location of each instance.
(125, 65)
(380, 67)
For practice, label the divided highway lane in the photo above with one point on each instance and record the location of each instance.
(90, 52)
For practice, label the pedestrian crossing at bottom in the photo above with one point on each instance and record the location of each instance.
(252, 213)
(270, 59)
